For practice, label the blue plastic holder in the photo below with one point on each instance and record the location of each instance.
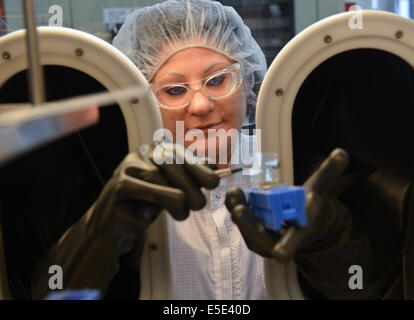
(82, 294)
(278, 204)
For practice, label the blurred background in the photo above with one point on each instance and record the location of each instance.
(273, 22)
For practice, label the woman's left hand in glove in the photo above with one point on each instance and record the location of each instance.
(324, 215)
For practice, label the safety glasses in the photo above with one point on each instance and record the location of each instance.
(218, 85)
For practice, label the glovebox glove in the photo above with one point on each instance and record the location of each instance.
(331, 242)
(324, 215)
(155, 177)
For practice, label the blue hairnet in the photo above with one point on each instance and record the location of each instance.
(179, 24)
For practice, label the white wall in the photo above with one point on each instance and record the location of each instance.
(308, 12)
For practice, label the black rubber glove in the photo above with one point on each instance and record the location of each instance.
(323, 219)
(331, 242)
(116, 224)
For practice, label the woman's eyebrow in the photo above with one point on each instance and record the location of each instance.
(183, 76)
(213, 65)
(173, 74)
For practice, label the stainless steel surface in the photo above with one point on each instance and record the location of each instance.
(15, 140)
(227, 171)
(36, 76)
(25, 128)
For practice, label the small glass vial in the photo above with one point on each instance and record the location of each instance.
(269, 173)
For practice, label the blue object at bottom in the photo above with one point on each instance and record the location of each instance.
(279, 204)
(84, 294)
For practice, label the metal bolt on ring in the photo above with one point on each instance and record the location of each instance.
(399, 34)
(279, 92)
(79, 52)
(6, 55)
(327, 39)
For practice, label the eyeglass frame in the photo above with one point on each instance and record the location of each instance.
(235, 66)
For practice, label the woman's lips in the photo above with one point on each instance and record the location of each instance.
(205, 128)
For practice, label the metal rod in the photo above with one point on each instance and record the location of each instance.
(227, 171)
(36, 77)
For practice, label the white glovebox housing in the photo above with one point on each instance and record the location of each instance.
(287, 79)
(77, 63)
(325, 55)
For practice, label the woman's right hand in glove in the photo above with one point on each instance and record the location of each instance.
(155, 177)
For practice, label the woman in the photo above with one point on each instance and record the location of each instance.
(203, 63)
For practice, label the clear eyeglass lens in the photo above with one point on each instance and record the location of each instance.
(220, 85)
(216, 87)
(174, 95)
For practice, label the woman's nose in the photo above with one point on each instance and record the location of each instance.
(200, 104)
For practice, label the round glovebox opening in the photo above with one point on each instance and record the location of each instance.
(46, 190)
(362, 101)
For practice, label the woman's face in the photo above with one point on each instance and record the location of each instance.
(192, 65)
